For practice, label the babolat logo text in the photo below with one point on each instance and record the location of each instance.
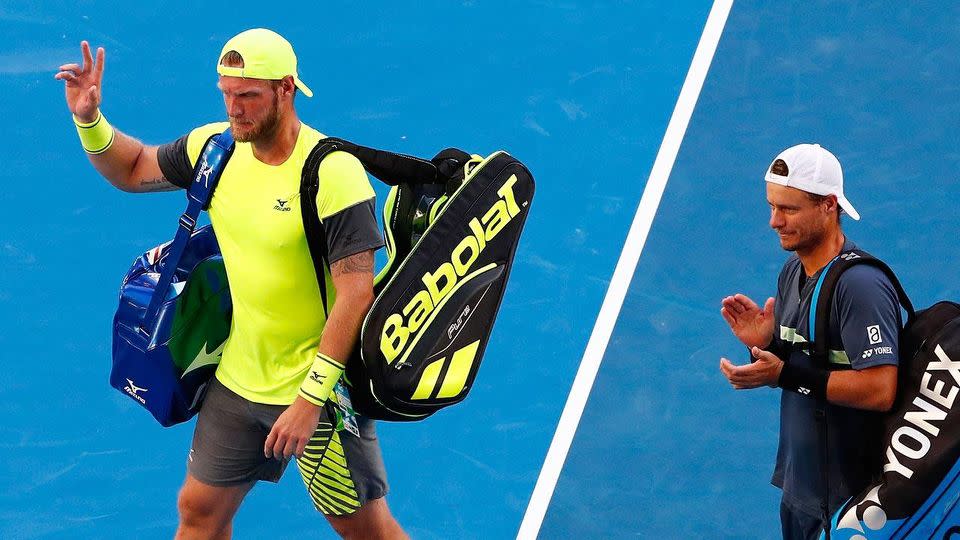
(937, 395)
(438, 284)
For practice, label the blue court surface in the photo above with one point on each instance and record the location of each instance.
(582, 93)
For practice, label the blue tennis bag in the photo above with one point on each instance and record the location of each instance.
(916, 493)
(175, 308)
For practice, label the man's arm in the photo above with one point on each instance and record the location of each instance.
(873, 388)
(353, 281)
(126, 162)
(131, 166)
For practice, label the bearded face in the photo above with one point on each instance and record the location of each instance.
(253, 108)
(799, 221)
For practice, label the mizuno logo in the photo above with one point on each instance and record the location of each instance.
(205, 171)
(281, 206)
(133, 390)
(399, 327)
(316, 376)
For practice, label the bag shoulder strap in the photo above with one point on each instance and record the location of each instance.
(824, 291)
(389, 167)
(206, 173)
(312, 225)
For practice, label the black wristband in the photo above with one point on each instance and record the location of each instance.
(804, 380)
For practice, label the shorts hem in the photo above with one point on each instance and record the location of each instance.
(220, 483)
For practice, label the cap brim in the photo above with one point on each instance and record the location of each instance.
(303, 88)
(848, 208)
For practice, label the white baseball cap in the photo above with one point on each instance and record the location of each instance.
(811, 168)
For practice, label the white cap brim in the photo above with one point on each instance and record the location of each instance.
(848, 208)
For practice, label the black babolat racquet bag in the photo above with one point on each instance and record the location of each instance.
(452, 226)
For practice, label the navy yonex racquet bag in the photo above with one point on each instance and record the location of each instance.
(916, 494)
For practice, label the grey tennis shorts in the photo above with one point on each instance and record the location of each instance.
(341, 471)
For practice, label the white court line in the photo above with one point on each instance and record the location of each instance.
(626, 266)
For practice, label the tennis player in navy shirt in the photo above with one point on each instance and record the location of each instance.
(805, 194)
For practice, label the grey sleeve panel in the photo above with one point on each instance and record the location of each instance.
(352, 230)
(869, 317)
(175, 163)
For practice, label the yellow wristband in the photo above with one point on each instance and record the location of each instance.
(97, 136)
(322, 377)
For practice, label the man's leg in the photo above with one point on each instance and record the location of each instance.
(225, 460)
(373, 520)
(206, 512)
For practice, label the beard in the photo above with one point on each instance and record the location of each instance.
(802, 239)
(264, 130)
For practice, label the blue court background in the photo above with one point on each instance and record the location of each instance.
(580, 92)
(666, 448)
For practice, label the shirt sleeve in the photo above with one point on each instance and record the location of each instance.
(178, 158)
(870, 318)
(345, 203)
(175, 163)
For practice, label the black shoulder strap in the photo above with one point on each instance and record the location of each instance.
(819, 324)
(389, 167)
(823, 296)
(312, 226)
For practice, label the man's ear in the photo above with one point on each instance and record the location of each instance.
(830, 203)
(287, 86)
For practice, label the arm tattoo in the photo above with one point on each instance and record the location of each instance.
(157, 184)
(354, 264)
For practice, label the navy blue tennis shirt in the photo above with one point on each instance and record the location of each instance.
(863, 332)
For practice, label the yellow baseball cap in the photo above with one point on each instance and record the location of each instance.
(266, 55)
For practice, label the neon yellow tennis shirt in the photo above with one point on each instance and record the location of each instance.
(278, 316)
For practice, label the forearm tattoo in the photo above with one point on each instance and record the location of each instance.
(157, 184)
(354, 264)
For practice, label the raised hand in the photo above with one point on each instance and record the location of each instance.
(752, 325)
(83, 84)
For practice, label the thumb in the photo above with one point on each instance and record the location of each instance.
(762, 355)
(768, 306)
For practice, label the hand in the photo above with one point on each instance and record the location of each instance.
(751, 325)
(765, 371)
(83, 84)
(292, 430)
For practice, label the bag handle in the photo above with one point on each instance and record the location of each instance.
(213, 159)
